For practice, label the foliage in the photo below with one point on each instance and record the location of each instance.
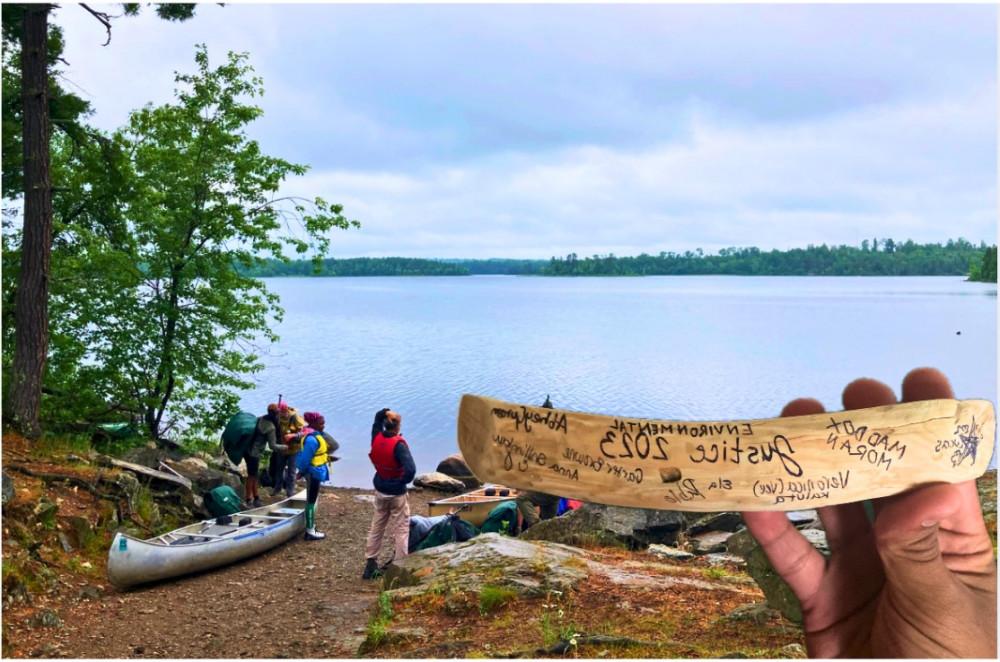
(877, 258)
(378, 625)
(894, 259)
(361, 266)
(492, 598)
(149, 318)
(985, 270)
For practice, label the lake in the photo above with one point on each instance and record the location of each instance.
(669, 347)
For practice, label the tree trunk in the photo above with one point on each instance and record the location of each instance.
(31, 304)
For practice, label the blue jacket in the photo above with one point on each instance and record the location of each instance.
(303, 461)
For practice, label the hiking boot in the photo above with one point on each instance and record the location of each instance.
(313, 534)
(257, 503)
(371, 570)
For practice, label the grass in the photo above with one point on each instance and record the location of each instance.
(378, 625)
(715, 573)
(492, 598)
(61, 444)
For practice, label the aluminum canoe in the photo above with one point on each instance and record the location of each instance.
(473, 506)
(206, 544)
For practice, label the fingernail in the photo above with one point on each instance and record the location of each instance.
(928, 522)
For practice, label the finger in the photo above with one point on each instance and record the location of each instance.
(926, 384)
(962, 536)
(850, 520)
(865, 392)
(861, 394)
(791, 555)
(906, 535)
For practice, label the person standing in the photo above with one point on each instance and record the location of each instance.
(265, 434)
(394, 469)
(311, 463)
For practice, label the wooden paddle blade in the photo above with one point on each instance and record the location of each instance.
(774, 464)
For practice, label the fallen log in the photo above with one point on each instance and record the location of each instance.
(49, 477)
(146, 471)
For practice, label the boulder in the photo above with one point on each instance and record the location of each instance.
(456, 467)
(801, 518)
(532, 569)
(202, 477)
(779, 595)
(438, 481)
(709, 542)
(670, 552)
(730, 522)
(8, 489)
(593, 523)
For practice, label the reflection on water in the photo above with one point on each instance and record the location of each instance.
(673, 347)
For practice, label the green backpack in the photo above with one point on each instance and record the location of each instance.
(238, 435)
(222, 500)
(502, 519)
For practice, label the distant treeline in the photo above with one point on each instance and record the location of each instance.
(875, 258)
(356, 266)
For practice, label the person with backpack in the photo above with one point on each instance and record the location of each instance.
(265, 434)
(311, 463)
(394, 468)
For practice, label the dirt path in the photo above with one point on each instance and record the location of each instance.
(301, 600)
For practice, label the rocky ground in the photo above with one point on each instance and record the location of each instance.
(306, 599)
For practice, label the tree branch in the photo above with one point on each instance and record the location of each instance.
(103, 18)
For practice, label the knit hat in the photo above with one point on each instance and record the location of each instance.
(314, 419)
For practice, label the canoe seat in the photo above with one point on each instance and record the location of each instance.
(290, 512)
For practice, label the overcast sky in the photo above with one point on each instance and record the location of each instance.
(531, 131)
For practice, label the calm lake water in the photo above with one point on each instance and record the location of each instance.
(671, 347)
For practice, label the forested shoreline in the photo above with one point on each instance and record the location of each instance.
(876, 258)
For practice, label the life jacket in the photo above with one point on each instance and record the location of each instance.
(320, 458)
(383, 456)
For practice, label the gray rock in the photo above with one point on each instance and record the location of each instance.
(8, 489)
(202, 477)
(757, 612)
(365, 498)
(709, 542)
(65, 542)
(532, 569)
(594, 523)
(46, 619)
(456, 467)
(778, 594)
(439, 481)
(670, 552)
(723, 559)
(730, 522)
(802, 517)
(79, 530)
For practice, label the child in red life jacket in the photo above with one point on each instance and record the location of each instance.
(311, 463)
(394, 469)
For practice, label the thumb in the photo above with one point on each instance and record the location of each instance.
(906, 535)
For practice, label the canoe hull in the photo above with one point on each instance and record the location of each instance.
(132, 561)
(475, 505)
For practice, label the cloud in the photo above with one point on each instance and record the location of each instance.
(922, 171)
(537, 130)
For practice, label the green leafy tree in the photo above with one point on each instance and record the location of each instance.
(156, 321)
(985, 270)
(27, 122)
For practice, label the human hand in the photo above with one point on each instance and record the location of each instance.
(921, 581)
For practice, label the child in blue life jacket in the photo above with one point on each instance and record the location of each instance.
(311, 463)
